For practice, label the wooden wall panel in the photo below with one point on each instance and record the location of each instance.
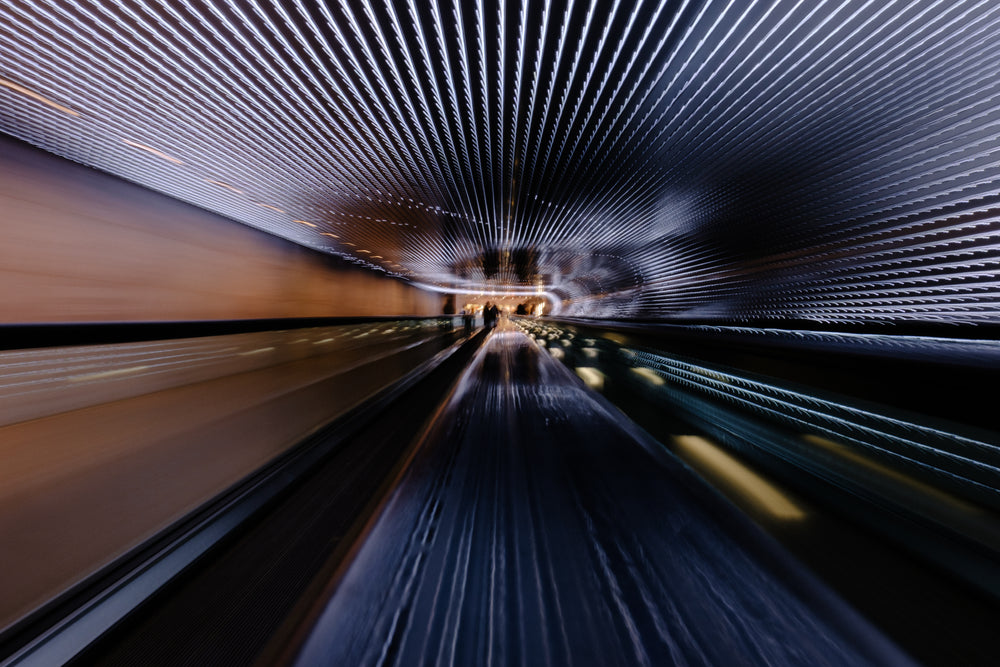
(77, 245)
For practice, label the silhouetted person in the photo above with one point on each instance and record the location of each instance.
(494, 315)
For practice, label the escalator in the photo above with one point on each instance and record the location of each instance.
(556, 494)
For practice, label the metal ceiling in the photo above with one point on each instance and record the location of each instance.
(826, 160)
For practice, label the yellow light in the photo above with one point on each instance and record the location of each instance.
(365, 251)
(332, 236)
(720, 466)
(150, 149)
(591, 377)
(35, 96)
(304, 222)
(273, 208)
(649, 375)
(856, 459)
(224, 185)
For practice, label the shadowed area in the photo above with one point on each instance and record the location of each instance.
(535, 527)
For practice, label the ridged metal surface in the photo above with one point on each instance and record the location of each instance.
(833, 161)
(533, 528)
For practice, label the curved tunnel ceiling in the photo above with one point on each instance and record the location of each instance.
(834, 161)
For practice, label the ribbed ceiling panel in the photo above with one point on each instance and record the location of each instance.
(834, 161)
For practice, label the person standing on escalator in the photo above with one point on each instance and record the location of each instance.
(488, 315)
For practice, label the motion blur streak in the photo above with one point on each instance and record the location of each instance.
(936, 472)
(105, 468)
(535, 527)
(80, 246)
(917, 489)
(35, 96)
(737, 476)
(768, 231)
(154, 151)
(830, 161)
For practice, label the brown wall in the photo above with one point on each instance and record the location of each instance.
(78, 245)
(101, 446)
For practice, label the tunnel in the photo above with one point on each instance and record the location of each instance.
(499, 332)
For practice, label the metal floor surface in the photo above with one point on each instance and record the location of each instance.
(537, 526)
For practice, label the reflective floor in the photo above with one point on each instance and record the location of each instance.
(536, 526)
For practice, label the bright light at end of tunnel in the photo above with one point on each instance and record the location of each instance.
(721, 467)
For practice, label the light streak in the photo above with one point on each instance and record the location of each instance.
(958, 458)
(104, 375)
(591, 377)
(149, 149)
(833, 161)
(17, 88)
(737, 478)
(260, 350)
(225, 185)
